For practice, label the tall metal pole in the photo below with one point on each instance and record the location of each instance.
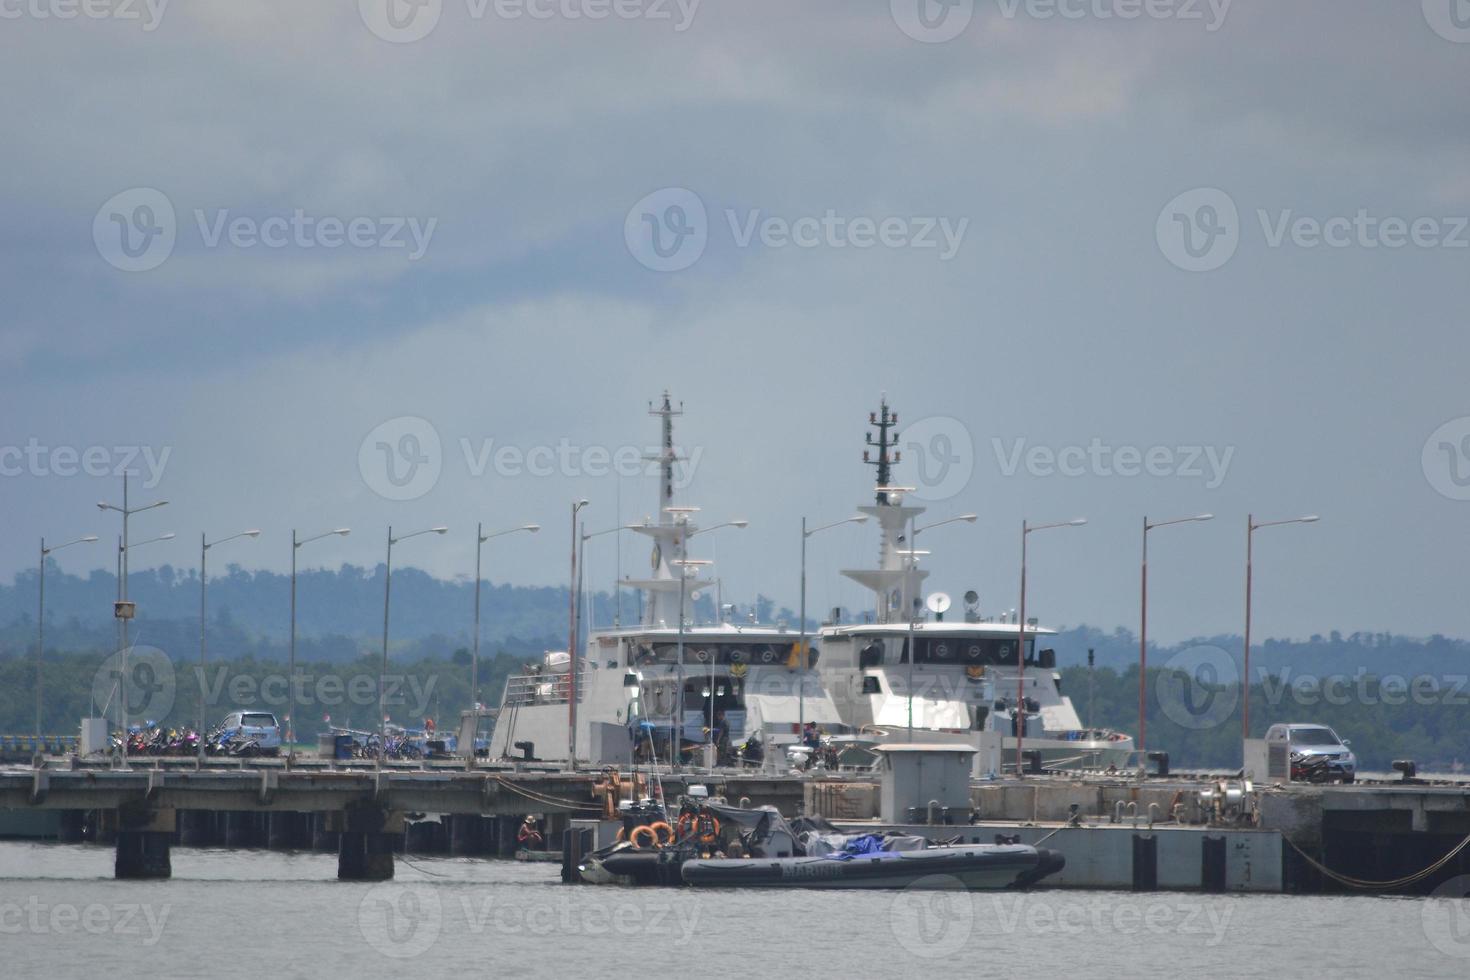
(203, 574)
(909, 599)
(572, 649)
(475, 651)
(1020, 713)
(805, 659)
(1245, 686)
(678, 711)
(383, 670)
(122, 684)
(1143, 645)
(40, 643)
(291, 658)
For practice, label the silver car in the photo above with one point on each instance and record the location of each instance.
(1315, 752)
(260, 725)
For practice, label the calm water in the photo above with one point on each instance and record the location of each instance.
(265, 914)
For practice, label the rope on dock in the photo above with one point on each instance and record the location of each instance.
(544, 798)
(1385, 885)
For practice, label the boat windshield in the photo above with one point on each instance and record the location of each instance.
(967, 651)
(704, 652)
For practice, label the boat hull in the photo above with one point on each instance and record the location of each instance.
(979, 867)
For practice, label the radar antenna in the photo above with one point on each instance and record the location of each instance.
(882, 420)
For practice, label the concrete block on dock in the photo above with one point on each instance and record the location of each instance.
(840, 801)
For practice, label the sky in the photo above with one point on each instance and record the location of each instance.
(424, 262)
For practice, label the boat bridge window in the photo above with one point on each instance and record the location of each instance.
(703, 653)
(872, 684)
(967, 651)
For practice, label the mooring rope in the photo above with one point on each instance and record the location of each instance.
(1386, 885)
(543, 798)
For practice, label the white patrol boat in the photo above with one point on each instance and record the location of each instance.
(668, 690)
(966, 680)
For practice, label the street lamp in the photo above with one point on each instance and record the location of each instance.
(913, 565)
(805, 656)
(122, 583)
(572, 644)
(296, 543)
(480, 538)
(41, 624)
(1020, 713)
(582, 562)
(204, 545)
(710, 679)
(387, 597)
(1251, 528)
(1143, 621)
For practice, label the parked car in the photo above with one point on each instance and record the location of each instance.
(1316, 752)
(259, 725)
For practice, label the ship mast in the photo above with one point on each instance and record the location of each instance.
(896, 580)
(669, 533)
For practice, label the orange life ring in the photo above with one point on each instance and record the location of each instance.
(640, 832)
(622, 835)
(709, 824)
(662, 832)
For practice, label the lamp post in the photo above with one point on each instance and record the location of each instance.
(710, 664)
(122, 586)
(1143, 621)
(1020, 712)
(204, 545)
(806, 660)
(480, 538)
(122, 561)
(582, 565)
(296, 544)
(1245, 688)
(387, 597)
(572, 645)
(913, 555)
(41, 625)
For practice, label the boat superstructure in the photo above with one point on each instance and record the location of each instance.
(966, 680)
(668, 689)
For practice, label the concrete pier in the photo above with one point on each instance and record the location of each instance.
(143, 841)
(368, 837)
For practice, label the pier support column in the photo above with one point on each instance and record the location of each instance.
(240, 830)
(505, 835)
(368, 837)
(281, 832)
(466, 833)
(143, 838)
